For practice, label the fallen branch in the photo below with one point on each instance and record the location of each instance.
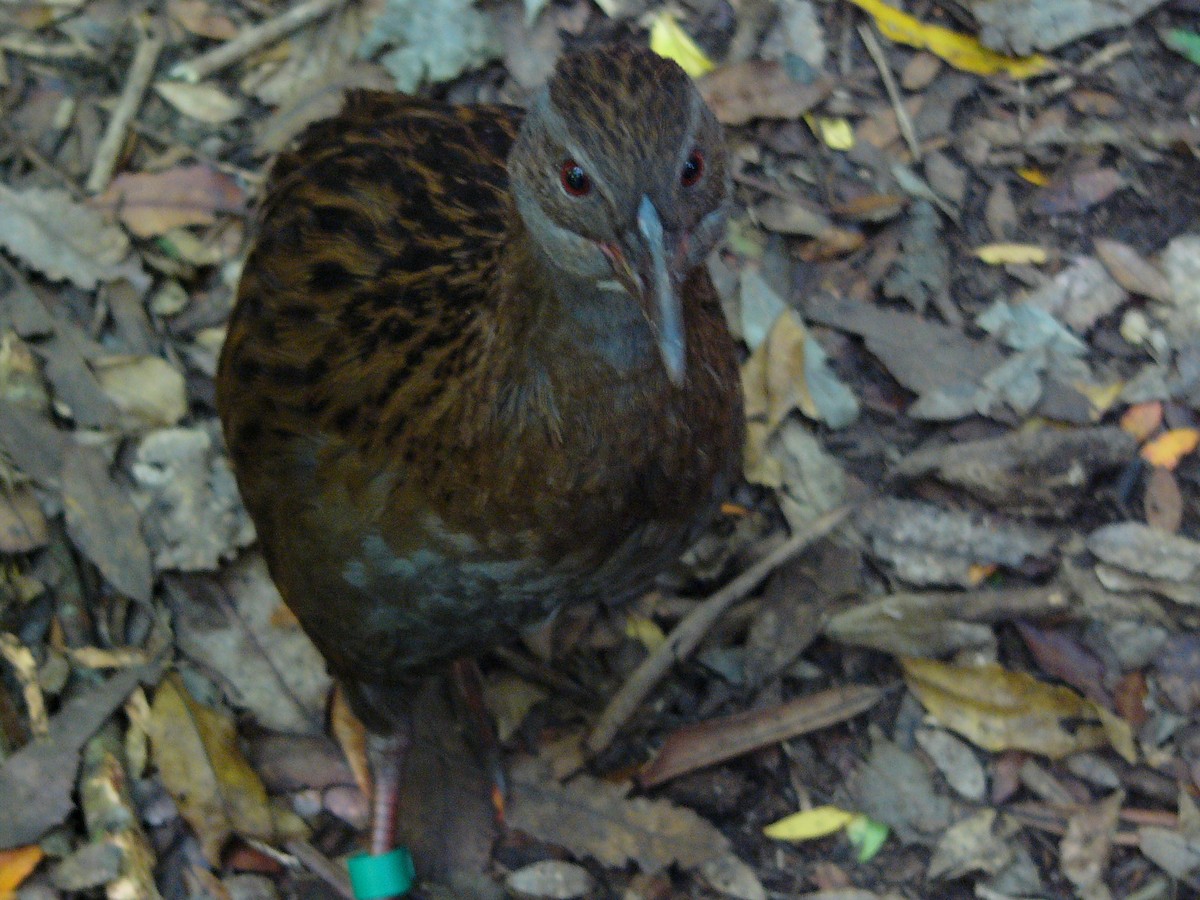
(252, 39)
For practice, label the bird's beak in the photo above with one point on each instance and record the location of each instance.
(651, 283)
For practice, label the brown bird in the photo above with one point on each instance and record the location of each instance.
(477, 369)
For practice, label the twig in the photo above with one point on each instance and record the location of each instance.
(145, 58)
(686, 636)
(889, 83)
(321, 866)
(252, 39)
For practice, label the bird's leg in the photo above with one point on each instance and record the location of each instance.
(387, 754)
(468, 684)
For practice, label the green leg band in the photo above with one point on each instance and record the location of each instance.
(376, 877)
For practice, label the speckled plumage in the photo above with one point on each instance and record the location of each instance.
(442, 424)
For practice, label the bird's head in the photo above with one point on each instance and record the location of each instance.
(621, 176)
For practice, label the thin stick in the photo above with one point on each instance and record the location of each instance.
(252, 39)
(141, 70)
(889, 83)
(322, 866)
(686, 636)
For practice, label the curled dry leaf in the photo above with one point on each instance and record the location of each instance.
(789, 371)
(907, 624)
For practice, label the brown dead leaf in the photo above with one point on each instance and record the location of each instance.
(150, 204)
(147, 390)
(872, 208)
(998, 709)
(1060, 655)
(1086, 846)
(203, 102)
(352, 738)
(1079, 191)
(23, 527)
(274, 672)
(973, 844)
(793, 217)
(594, 818)
(1132, 271)
(104, 524)
(774, 379)
(199, 17)
(759, 89)
(1163, 501)
(707, 743)
(196, 750)
(1142, 419)
(1040, 472)
(1080, 295)
(62, 239)
(37, 782)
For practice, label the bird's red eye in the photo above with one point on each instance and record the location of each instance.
(693, 168)
(575, 181)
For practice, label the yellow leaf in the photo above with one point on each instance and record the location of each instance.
(1120, 735)
(1034, 176)
(196, 750)
(1168, 449)
(835, 131)
(978, 572)
(1011, 254)
(758, 465)
(1142, 419)
(669, 40)
(1100, 396)
(1002, 710)
(16, 865)
(774, 379)
(810, 823)
(645, 631)
(960, 50)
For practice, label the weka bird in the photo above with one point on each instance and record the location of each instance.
(477, 369)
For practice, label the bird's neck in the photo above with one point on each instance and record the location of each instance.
(576, 327)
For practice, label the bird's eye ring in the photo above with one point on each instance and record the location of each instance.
(693, 169)
(575, 181)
